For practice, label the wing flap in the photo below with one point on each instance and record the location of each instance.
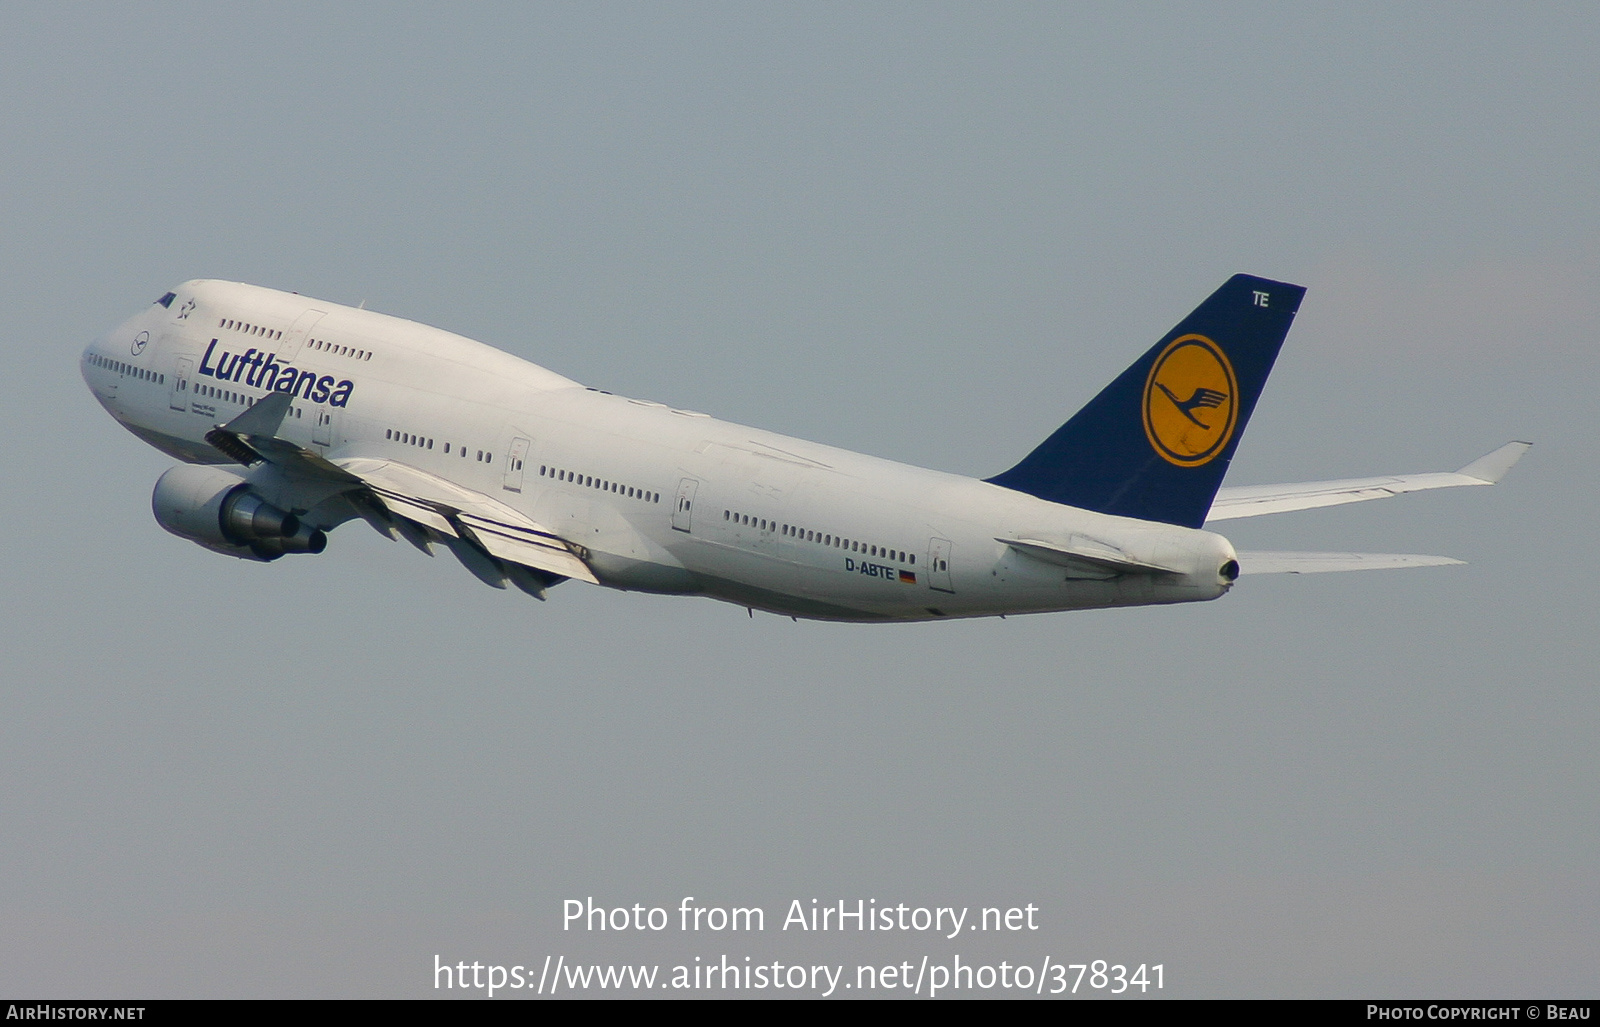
(1255, 500)
(457, 512)
(468, 521)
(427, 516)
(1322, 563)
(529, 551)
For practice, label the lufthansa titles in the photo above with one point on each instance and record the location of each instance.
(262, 371)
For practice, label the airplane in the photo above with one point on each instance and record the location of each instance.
(292, 416)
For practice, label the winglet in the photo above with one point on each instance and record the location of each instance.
(264, 418)
(1493, 467)
(261, 420)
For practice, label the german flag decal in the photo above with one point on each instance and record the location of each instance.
(908, 578)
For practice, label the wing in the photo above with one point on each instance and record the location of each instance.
(1255, 500)
(494, 541)
(460, 514)
(1320, 563)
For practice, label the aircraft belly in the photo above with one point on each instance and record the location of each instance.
(636, 575)
(788, 604)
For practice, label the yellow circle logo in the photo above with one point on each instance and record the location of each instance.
(1190, 401)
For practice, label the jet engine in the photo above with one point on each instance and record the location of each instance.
(218, 510)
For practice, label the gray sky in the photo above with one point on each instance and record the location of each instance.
(927, 232)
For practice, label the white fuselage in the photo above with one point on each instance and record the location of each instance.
(656, 499)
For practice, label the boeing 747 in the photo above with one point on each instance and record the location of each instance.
(292, 416)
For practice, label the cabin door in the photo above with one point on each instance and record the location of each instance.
(180, 384)
(938, 570)
(512, 481)
(683, 509)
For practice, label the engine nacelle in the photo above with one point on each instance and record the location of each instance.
(218, 510)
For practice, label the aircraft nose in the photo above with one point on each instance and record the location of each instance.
(98, 365)
(87, 359)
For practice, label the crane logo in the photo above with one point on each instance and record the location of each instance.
(1190, 407)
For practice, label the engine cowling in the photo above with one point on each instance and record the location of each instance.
(218, 510)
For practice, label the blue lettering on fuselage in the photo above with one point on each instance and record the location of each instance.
(262, 371)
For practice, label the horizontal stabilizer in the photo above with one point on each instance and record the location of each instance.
(1255, 500)
(1322, 563)
(1084, 557)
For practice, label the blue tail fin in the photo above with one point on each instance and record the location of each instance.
(1156, 442)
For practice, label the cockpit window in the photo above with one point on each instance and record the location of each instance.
(166, 301)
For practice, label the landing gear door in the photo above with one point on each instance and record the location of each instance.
(939, 553)
(512, 481)
(180, 384)
(683, 509)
